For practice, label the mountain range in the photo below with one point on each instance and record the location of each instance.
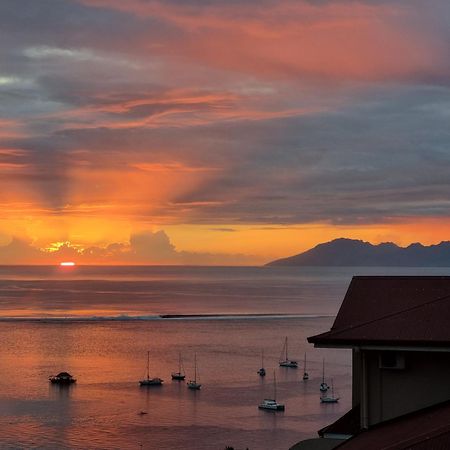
(352, 252)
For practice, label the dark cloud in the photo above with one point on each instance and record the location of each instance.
(94, 86)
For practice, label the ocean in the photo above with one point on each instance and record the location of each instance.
(98, 323)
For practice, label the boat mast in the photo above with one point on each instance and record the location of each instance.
(195, 367)
(262, 358)
(286, 346)
(323, 371)
(148, 365)
(304, 365)
(274, 386)
(179, 363)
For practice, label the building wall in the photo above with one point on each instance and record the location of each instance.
(393, 392)
(356, 375)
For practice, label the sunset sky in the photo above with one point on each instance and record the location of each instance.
(220, 131)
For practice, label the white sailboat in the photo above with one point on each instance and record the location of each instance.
(284, 360)
(262, 372)
(194, 384)
(323, 386)
(271, 403)
(150, 381)
(180, 375)
(305, 373)
(329, 398)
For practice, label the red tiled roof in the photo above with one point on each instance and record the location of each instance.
(387, 310)
(427, 429)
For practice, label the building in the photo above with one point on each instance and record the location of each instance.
(398, 329)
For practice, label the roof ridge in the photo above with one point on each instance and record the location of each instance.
(387, 316)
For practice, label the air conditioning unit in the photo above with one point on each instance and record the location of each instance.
(391, 360)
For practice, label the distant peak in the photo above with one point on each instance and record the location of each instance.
(356, 252)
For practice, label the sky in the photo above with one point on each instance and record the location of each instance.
(220, 131)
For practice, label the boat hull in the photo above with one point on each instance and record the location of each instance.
(56, 381)
(290, 364)
(151, 382)
(271, 406)
(178, 376)
(329, 400)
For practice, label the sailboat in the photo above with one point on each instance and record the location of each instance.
(271, 403)
(180, 375)
(323, 386)
(262, 372)
(305, 373)
(193, 384)
(286, 362)
(327, 398)
(150, 381)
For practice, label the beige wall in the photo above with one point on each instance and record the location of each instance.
(391, 392)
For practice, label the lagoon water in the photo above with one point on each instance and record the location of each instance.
(99, 322)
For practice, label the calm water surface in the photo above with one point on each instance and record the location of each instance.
(53, 320)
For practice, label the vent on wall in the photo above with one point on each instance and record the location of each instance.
(391, 360)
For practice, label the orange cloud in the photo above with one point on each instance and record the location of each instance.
(297, 39)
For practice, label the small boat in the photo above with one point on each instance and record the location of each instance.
(323, 386)
(284, 360)
(180, 375)
(150, 381)
(305, 373)
(271, 404)
(62, 378)
(194, 384)
(329, 398)
(262, 372)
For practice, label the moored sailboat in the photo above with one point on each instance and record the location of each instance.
(262, 372)
(329, 398)
(271, 403)
(323, 386)
(180, 375)
(150, 381)
(305, 373)
(194, 384)
(284, 360)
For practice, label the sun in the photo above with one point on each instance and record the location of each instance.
(67, 263)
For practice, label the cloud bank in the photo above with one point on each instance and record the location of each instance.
(144, 248)
(223, 113)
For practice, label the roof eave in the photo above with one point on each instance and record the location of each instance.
(382, 345)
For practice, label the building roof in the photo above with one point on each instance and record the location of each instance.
(347, 425)
(426, 429)
(389, 310)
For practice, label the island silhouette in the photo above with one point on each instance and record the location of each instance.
(353, 252)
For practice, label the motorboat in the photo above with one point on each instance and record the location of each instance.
(62, 378)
